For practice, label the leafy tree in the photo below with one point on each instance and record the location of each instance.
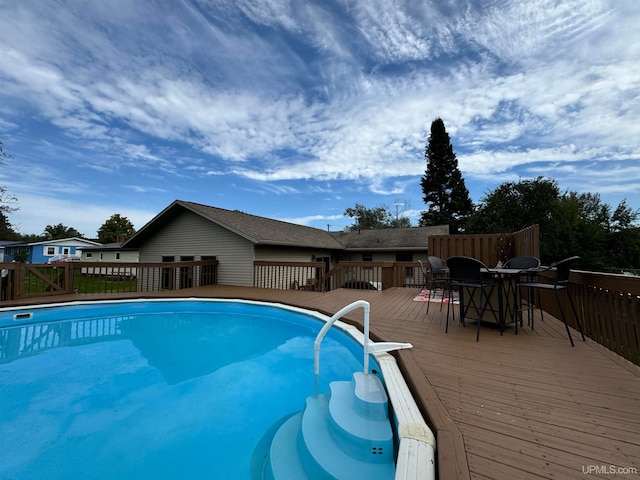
(582, 223)
(379, 217)
(114, 228)
(398, 218)
(570, 223)
(399, 222)
(515, 205)
(368, 218)
(624, 217)
(444, 189)
(60, 231)
(31, 237)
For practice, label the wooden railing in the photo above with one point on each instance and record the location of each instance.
(288, 275)
(359, 276)
(410, 274)
(378, 275)
(609, 310)
(20, 280)
(313, 275)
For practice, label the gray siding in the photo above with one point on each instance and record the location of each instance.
(191, 235)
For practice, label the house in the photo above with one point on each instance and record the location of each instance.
(109, 252)
(388, 245)
(47, 251)
(112, 253)
(187, 231)
(3, 246)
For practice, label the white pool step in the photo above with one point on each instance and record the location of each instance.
(359, 420)
(283, 463)
(342, 435)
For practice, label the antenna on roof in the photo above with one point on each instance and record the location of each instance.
(328, 227)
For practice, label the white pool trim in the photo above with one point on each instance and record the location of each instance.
(416, 452)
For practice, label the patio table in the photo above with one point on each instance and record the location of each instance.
(506, 302)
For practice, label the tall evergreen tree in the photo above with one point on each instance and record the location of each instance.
(444, 189)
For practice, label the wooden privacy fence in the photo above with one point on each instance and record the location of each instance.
(488, 248)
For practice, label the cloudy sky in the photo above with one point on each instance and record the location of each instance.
(298, 109)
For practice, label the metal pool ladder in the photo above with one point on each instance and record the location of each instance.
(369, 347)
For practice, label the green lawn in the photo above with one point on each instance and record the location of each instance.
(81, 283)
(103, 284)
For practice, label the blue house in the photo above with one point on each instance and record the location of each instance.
(47, 251)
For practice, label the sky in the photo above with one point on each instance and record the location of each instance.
(299, 109)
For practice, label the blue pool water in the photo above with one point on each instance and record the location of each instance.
(154, 389)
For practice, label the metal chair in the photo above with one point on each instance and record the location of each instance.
(560, 284)
(468, 274)
(438, 275)
(528, 265)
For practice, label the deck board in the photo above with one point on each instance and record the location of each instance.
(510, 406)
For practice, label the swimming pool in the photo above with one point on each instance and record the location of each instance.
(156, 389)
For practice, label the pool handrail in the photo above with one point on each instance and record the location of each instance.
(369, 347)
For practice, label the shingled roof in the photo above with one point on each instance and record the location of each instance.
(389, 238)
(258, 230)
(267, 231)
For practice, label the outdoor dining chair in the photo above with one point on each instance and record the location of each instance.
(438, 275)
(468, 275)
(560, 284)
(528, 265)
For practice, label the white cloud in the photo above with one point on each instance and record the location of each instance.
(319, 94)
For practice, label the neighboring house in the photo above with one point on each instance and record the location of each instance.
(186, 231)
(389, 244)
(109, 252)
(112, 253)
(3, 245)
(62, 249)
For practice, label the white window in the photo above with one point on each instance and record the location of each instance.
(49, 251)
(88, 254)
(65, 250)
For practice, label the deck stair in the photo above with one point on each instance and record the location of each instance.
(342, 434)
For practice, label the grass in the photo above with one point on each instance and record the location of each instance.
(81, 283)
(103, 284)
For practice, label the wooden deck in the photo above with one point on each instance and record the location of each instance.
(507, 407)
